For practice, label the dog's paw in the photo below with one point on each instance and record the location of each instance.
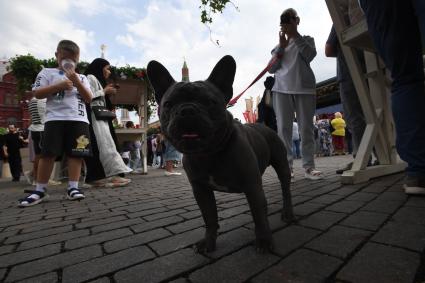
(206, 245)
(263, 245)
(288, 217)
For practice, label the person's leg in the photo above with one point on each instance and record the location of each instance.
(14, 167)
(387, 21)
(77, 147)
(283, 105)
(305, 105)
(353, 113)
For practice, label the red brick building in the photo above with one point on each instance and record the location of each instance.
(13, 108)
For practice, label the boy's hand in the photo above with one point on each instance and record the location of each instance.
(72, 76)
(65, 85)
(110, 89)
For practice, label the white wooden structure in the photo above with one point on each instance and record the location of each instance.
(373, 89)
(134, 92)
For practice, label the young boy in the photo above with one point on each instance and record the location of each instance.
(66, 127)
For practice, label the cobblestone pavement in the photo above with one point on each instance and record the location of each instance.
(145, 232)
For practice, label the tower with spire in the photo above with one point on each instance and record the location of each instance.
(185, 72)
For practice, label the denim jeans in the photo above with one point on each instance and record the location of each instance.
(395, 29)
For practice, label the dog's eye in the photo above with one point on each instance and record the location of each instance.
(167, 104)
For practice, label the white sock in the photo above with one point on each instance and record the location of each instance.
(40, 187)
(72, 185)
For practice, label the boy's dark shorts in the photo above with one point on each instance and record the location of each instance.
(69, 137)
(37, 139)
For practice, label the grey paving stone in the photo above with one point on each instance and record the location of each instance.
(411, 215)
(346, 206)
(2, 273)
(237, 267)
(162, 268)
(6, 249)
(394, 196)
(345, 191)
(51, 277)
(307, 208)
(361, 196)
(339, 241)
(135, 240)
(146, 212)
(106, 264)
(230, 212)
(8, 234)
(117, 224)
(382, 206)
(35, 224)
(301, 266)
(28, 255)
(38, 234)
(403, 235)
(180, 280)
(232, 241)
(291, 238)
(327, 199)
(52, 263)
(379, 263)
(323, 190)
(53, 239)
(191, 214)
(187, 225)
(323, 219)
(97, 238)
(365, 220)
(234, 222)
(101, 280)
(375, 189)
(178, 241)
(415, 201)
(160, 215)
(98, 222)
(155, 224)
(299, 199)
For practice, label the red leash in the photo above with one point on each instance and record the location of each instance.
(235, 99)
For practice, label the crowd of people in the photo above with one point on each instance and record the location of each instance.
(71, 118)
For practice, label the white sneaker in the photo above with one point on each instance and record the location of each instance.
(166, 173)
(313, 174)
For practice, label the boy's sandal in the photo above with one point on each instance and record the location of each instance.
(75, 194)
(313, 174)
(29, 201)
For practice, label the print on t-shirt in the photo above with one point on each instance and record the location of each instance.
(65, 105)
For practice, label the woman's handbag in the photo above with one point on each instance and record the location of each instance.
(101, 112)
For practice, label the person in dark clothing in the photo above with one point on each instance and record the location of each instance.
(14, 142)
(2, 153)
(265, 110)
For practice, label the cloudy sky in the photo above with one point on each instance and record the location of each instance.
(137, 31)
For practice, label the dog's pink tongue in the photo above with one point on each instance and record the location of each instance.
(190, 136)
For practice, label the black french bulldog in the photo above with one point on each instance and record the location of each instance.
(219, 153)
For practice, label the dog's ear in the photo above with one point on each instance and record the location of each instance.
(223, 75)
(160, 79)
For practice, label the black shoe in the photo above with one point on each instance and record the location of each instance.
(346, 168)
(414, 185)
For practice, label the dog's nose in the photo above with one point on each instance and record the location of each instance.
(188, 110)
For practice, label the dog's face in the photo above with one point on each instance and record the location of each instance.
(193, 115)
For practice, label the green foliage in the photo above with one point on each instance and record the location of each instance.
(209, 7)
(3, 131)
(25, 68)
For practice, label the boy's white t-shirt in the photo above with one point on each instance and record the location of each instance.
(66, 105)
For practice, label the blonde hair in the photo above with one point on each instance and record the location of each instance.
(338, 115)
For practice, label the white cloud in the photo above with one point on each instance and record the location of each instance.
(37, 26)
(165, 30)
